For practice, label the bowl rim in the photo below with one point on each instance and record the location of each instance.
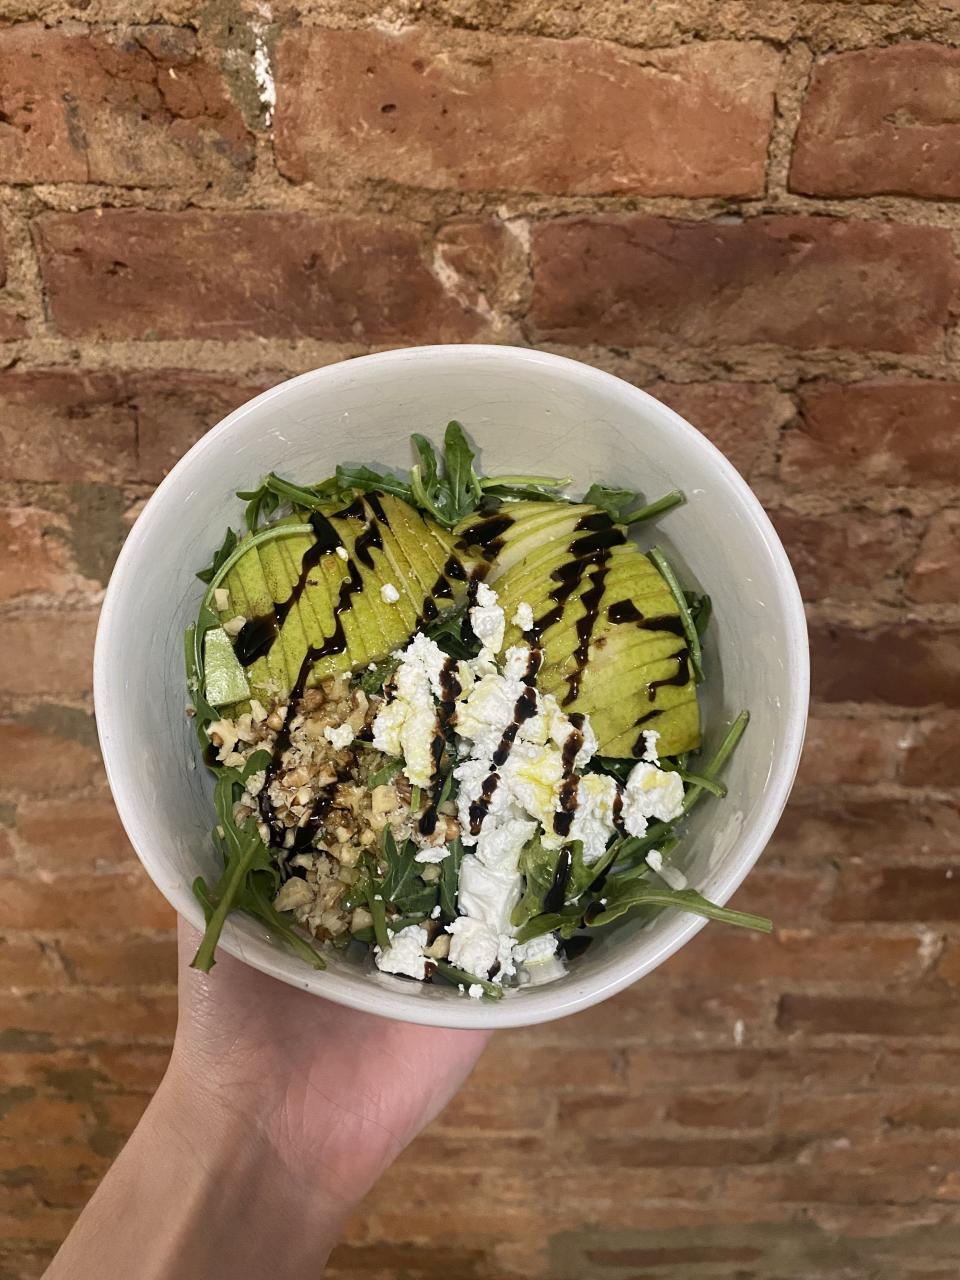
(551, 1001)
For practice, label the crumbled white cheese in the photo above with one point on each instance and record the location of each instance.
(523, 618)
(389, 593)
(406, 725)
(593, 820)
(433, 853)
(343, 553)
(435, 913)
(654, 859)
(651, 793)
(488, 895)
(538, 961)
(474, 946)
(339, 737)
(487, 619)
(650, 739)
(405, 953)
(475, 991)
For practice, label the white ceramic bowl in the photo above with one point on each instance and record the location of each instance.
(527, 412)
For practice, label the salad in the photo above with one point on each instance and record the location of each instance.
(451, 719)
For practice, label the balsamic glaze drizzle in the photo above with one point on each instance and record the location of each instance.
(556, 895)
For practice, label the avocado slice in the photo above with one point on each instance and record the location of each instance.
(615, 648)
(303, 600)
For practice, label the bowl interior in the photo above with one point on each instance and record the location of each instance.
(527, 412)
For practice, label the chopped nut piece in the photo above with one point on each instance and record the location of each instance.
(384, 798)
(221, 599)
(430, 873)
(361, 919)
(257, 711)
(276, 718)
(235, 625)
(439, 949)
(293, 893)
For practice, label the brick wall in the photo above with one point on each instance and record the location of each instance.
(751, 211)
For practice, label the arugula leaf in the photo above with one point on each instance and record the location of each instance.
(461, 978)
(614, 501)
(624, 896)
(720, 758)
(402, 886)
(463, 485)
(230, 541)
(389, 770)
(449, 881)
(658, 508)
(373, 681)
(690, 632)
(447, 632)
(366, 480)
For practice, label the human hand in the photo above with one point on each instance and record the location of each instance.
(332, 1094)
(277, 1113)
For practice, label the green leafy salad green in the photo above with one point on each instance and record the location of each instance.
(452, 720)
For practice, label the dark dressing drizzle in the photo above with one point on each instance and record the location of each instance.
(486, 534)
(683, 675)
(591, 603)
(258, 634)
(481, 807)
(524, 708)
(576, 946)
(627, 611)
(556, 895)
(450, 690)
(563, 818)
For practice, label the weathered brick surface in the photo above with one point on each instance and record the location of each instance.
(908, 665)
(789, 281)
(138, 109)
(228, 275)
(742, 419)
(574, 116)
(889, 432)
(568, 175)
(881, 120)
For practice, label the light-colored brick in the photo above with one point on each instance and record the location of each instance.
(464, 111)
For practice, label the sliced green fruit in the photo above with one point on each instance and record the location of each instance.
(325, 601)
(610, 628)
(225, 681)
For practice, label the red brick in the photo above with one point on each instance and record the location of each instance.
(915, 1066)
(83, 901)
(138, 1068)
(138, 112)
(881, 121)
(838, 750)
(287, 275)
(12, 327)
(789, 898)
(741, 418)
(37, 556)
(896, 433)
(911, 665)
(119, 961)
(464, 111)
(63, 426)
(787, 280)
(47, 654)
(912, 1014)
(936, 570)
(45, 1117)
(29, 963)
(76, 1016)
(655, 1011)
(516, 1055)
(665, 1068)
(925, 1111)
(28, 750)
(719, 1109)
(518, 1109)
(74, 835)
(846, 555)
(897, 893)
(949, 967)
(799, 955)
(174, 409)
(930, 746)
(869, 831)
